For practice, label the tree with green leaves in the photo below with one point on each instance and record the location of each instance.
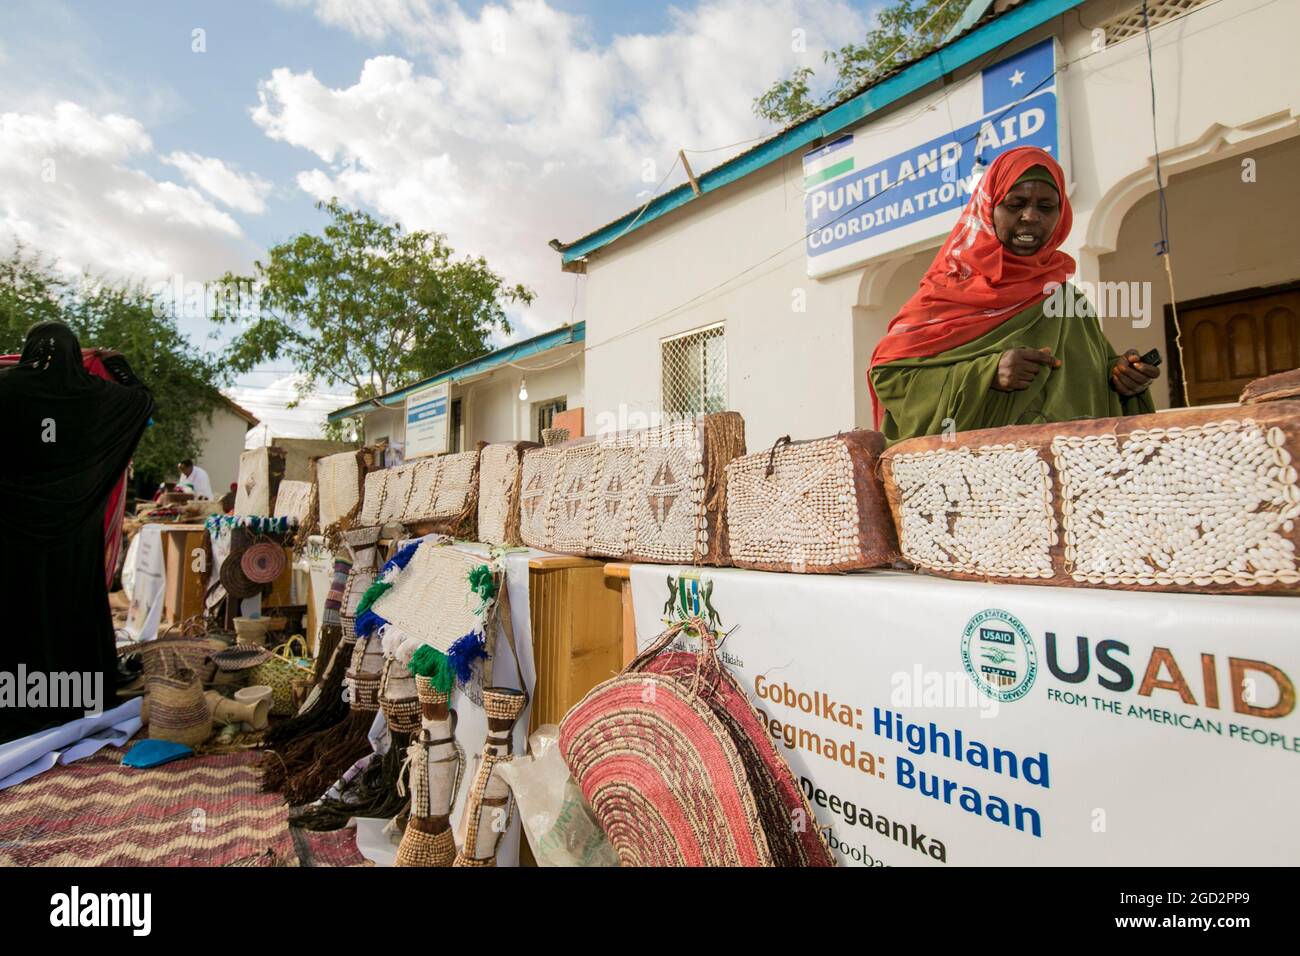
(369, 305)
(123, 316)
(905, 29)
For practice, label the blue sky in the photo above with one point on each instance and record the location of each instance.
(503, 124)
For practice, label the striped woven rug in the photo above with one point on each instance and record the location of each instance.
(203, 811)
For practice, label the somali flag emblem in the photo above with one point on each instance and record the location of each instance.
(828, 162)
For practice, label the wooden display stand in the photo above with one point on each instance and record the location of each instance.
(184, 586)
(577, 632)
(620, 577)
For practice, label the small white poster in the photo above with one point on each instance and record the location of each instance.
(426, 421)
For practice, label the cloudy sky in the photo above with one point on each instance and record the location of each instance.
(162, 139)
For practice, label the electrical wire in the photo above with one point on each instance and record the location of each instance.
(851, 209)
(804, 238)
(1162, 214)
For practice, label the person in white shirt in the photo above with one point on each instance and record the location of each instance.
(194, 479)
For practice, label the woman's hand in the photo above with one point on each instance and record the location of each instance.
(1130, 375)
(1018, 368)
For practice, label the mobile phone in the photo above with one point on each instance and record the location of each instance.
(1151, 358)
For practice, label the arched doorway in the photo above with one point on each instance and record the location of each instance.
(1234, 229)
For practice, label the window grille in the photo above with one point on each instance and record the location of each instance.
(694, 372)
(546, 412)
(1129, 23)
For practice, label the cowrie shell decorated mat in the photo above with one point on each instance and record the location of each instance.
(810, 506)
(1187, 500)
(652, 495)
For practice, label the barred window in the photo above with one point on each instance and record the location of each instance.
(694, 372)
(546, 412)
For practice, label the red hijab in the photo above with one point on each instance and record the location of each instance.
(975, 284)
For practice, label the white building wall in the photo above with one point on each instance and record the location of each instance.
(492, 409)
(789, 338)
(222, 444)
(1226, 87)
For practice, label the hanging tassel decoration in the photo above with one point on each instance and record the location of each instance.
(433, 664)
(464, 653)
(482, 583)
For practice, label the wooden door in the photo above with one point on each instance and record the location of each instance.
(1226, 345)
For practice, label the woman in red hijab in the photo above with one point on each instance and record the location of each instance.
(989, 339)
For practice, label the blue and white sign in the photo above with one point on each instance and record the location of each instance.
(426, 421)
(876, 190)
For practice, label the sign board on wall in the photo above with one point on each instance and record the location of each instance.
(891, 184)
(426, 421)
(958, 723)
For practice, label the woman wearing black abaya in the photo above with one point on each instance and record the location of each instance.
(65, 438)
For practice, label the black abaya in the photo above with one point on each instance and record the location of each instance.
(66, 436)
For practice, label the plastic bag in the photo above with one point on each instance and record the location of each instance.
(560, 826)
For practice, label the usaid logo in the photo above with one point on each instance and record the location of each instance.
(998, 655)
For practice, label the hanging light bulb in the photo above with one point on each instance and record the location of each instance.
(523, 389)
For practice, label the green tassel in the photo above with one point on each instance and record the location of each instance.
(373, 594)
(432, 663)
(482, 583)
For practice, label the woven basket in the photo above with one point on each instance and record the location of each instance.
(177, 710)
(279, 671)
(233, 579)
(252, 630)
(661, 735)
(241, 657)
(196, 654)
(263, 563)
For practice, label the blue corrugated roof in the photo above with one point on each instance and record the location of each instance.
(950, 57)
(565, 335)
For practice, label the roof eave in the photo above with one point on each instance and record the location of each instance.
(565, 335)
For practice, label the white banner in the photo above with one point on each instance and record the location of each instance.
(426, 421)
(936, 722)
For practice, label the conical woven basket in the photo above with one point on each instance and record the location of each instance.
(177, 710)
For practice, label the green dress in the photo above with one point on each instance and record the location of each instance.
(954, 390)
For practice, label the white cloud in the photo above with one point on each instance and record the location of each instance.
(245, 192)
(68, 189)
(510, 127)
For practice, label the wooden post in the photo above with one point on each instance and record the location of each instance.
(690, 174)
